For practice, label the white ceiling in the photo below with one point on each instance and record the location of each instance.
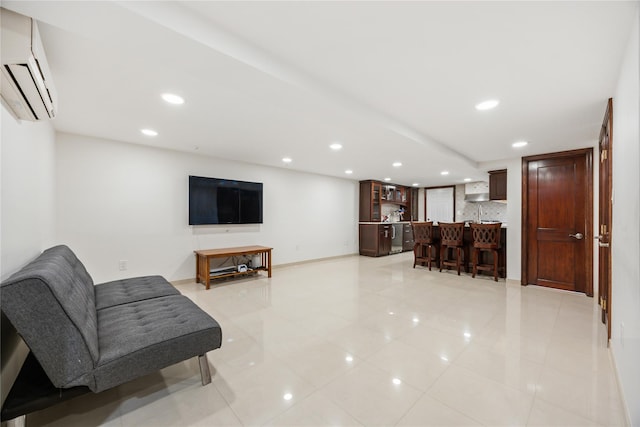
(391, 81)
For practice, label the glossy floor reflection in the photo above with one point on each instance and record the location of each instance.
(371, 341)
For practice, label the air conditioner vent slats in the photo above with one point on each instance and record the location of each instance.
(27, 88)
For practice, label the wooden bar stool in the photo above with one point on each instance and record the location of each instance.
(451, 234)
(425, 249)
(486, 238)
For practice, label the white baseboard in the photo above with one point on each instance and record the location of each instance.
(625, 408)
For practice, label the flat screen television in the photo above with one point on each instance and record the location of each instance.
(224, 201)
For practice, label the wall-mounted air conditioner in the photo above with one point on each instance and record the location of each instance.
(26, 87)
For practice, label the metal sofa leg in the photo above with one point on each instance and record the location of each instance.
(20, 421)
(204, 369)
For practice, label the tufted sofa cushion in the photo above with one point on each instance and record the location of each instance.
(131, 290)
(142, 337)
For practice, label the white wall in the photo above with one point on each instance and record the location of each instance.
(625, 301)
(119, 201)
(26, 214)
(514, 219)
(514, 213)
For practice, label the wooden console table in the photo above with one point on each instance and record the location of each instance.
(203, 257)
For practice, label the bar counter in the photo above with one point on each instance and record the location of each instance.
(467, 240)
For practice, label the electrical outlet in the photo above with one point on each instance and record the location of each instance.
(122, 265)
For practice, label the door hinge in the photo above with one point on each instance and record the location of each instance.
(603, 155)
(603, 303)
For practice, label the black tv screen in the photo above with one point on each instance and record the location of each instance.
(224, 201)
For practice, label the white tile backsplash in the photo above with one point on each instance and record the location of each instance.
(469, 211)
(392, 211)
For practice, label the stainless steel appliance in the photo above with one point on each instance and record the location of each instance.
(396, 238)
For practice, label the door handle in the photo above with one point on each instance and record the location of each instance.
(577, 236)
(603, 245)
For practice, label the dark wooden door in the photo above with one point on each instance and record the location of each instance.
(557, 213)
(604, 218)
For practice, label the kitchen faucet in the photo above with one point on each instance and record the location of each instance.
(479, 212)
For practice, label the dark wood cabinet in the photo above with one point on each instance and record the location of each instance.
(498, 184)
(375, 239)
(370, 201)
(373, 194)
(392, 193)
(384, 239)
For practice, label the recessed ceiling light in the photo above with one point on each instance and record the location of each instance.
(396, 381)
(287, 159)
(149, 132)
(467, 180)
(348, 171)
(519, 144)
(287, 396)
(415, 184)
(397, 164)
(444, 173)
(336, 146)
(487, 105)
(387, 179)
(172, 98)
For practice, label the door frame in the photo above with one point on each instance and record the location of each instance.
(436, 188)
(588, 153)
(605, 203)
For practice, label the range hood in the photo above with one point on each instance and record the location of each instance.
(476, 191)
(476, 197)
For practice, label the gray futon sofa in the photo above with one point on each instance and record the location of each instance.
(100, 336)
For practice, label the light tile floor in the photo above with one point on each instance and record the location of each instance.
(371, 341)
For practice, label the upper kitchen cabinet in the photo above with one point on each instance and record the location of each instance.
(394, 194)
(498, 184)
(370, 201)
(373, 194)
